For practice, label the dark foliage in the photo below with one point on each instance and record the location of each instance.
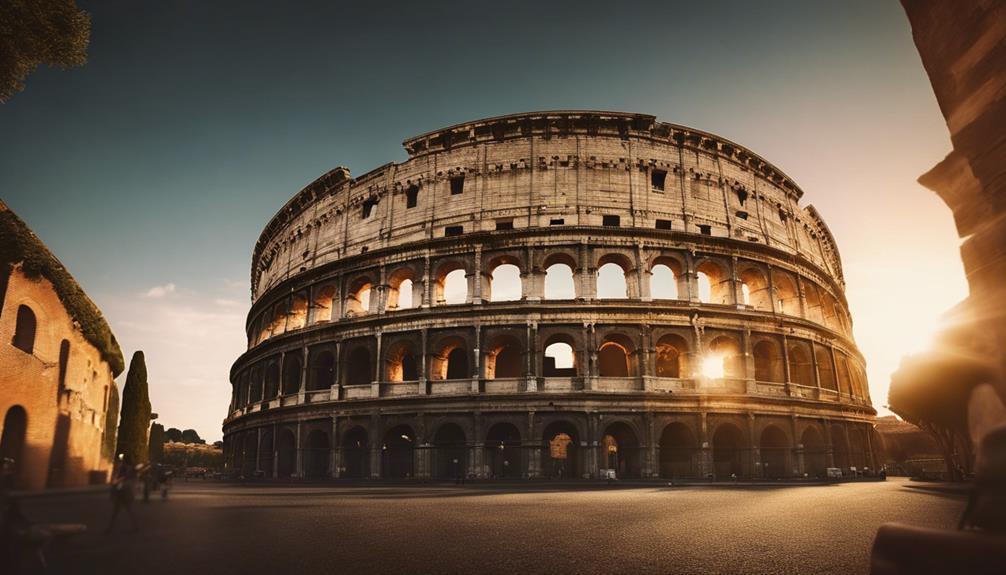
(156, 443)
(135, 412)
(37, 32)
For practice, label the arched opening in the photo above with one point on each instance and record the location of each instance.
(451, 285)
(768, 362)
(505, 283)
(755, 289)
(270, 380)
(503, 452)
(451, 360)
(728, 451)
(787, 298)
(278, 324)
(614, 357)
(359, 367)
(358, 298)
(620, 448)
(664, 280)
(560, 451)
(266, 452)
(250, 454)
(24, 329)
(814, 453)
(714, 286)
(611, 278)
(504, 358)
(671, 356)
(400, 287)
(842, 373)
(400, 364)
(15, 428)
(812, 294)
(450, 459)
(286, 453)
(255, 385)
(829, 308)
(559, 358)
(322, 375)
(774, 449)
(559, 282)
(292, 368)
(298, 312)
(825, 368)
(724, 359)
(839, 448)
(857, 449)
(801, 368)
(355, 454)
(397, 459)
(316, 453)
(324, 299)
(677, 451)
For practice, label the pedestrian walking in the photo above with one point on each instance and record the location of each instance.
(123, 492)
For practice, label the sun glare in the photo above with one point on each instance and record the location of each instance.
(712, 367)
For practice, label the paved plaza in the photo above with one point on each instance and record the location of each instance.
(217, 528)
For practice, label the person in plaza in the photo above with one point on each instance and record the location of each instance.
(123, 487)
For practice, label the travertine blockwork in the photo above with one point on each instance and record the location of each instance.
(725, 348)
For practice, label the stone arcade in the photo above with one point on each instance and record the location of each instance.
(671, 312)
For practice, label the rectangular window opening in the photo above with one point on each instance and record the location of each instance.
(611, 221)
(557, 222)
(412, 196)
(657, 179)
(663, 224)
(457, 184)
(705, 229)
(504, 224)
(454, 230)
(742, 214)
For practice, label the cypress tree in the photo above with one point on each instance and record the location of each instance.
(135, 419)
(156, 443)
(111, 423)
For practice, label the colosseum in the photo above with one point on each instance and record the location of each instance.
(568, 294)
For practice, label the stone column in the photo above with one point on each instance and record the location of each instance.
(302, 387)
(593, 459)
(427, 279)
(299, 453)
(475, 280)
(587, 273)
(258, 449)
(375, 382)
(691, 280)
(754, 462)
(705, 448)
(478, 468)
(275, 451)
(423, 387)
(533, 357)
(376, 440)
(335, 455)
(642, 276)
(476, 369)
(532, 449)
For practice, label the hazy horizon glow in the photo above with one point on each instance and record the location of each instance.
(151, 170)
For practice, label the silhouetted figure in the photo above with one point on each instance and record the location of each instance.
(123, 486)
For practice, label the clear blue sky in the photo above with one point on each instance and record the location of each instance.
(151, 170)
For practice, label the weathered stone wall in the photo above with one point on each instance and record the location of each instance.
(65, 425)
(576, 167)
(326, 367)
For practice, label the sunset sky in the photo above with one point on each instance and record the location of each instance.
(151, 170)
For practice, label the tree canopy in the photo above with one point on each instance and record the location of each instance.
(37, 32)
(135, 419)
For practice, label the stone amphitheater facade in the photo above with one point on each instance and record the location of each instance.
(717, 344)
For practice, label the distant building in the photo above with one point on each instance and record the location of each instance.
(58, 361)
